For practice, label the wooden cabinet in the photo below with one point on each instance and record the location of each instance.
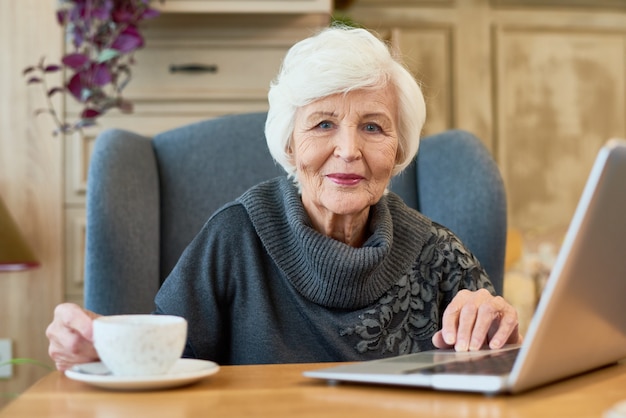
(196, 65)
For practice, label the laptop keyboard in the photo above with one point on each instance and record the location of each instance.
(495, 364)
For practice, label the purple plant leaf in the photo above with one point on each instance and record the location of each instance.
(52, 68)
(89, 113)
(128, 40)
(62, 16)
(75, 60)
(75, 87)
(122, 16)
(79, 12)
(77, 38)
(101, 75)
(101, 13)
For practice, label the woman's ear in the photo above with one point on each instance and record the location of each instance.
(289, 152)
(399, 160)
(399, 155)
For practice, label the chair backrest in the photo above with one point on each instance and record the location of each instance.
(148, 197)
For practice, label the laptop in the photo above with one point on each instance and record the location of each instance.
(579, 324)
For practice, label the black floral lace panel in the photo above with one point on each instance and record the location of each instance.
(404, 320)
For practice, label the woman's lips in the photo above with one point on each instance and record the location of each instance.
(345, 179)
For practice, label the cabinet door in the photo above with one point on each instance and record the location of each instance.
(246, 6)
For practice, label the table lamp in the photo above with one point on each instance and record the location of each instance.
(15, 254)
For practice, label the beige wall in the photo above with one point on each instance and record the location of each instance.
(30, 184)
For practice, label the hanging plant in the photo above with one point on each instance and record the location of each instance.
(102, 36)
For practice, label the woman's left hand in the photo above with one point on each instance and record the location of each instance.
(474, 319)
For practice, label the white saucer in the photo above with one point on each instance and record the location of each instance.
(184, 371)
(617, 411)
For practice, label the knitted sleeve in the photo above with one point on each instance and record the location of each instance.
(200, 286)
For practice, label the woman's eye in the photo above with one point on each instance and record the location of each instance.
(325, 125)
(372, 127)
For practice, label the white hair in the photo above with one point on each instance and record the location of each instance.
(340, 59)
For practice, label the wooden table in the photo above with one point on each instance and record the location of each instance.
(281, 391)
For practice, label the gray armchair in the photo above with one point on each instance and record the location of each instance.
(148, 197)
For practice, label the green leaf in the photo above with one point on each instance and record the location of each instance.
(17, 361)
(107, 54)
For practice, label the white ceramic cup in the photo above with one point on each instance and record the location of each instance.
(139, 345)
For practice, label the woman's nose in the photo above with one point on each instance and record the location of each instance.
(347, 144)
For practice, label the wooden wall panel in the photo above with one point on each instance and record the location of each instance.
(30, 185)
(427, 52)
(560, 96)
(562, 4)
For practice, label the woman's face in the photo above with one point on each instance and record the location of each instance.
(344, 148)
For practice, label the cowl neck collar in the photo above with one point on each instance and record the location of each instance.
(324, 270)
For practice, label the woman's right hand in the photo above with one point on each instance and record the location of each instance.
(71, 336)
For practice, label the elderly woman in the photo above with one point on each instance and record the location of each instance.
(325, 264)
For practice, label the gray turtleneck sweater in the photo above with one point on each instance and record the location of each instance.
(259, 285)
